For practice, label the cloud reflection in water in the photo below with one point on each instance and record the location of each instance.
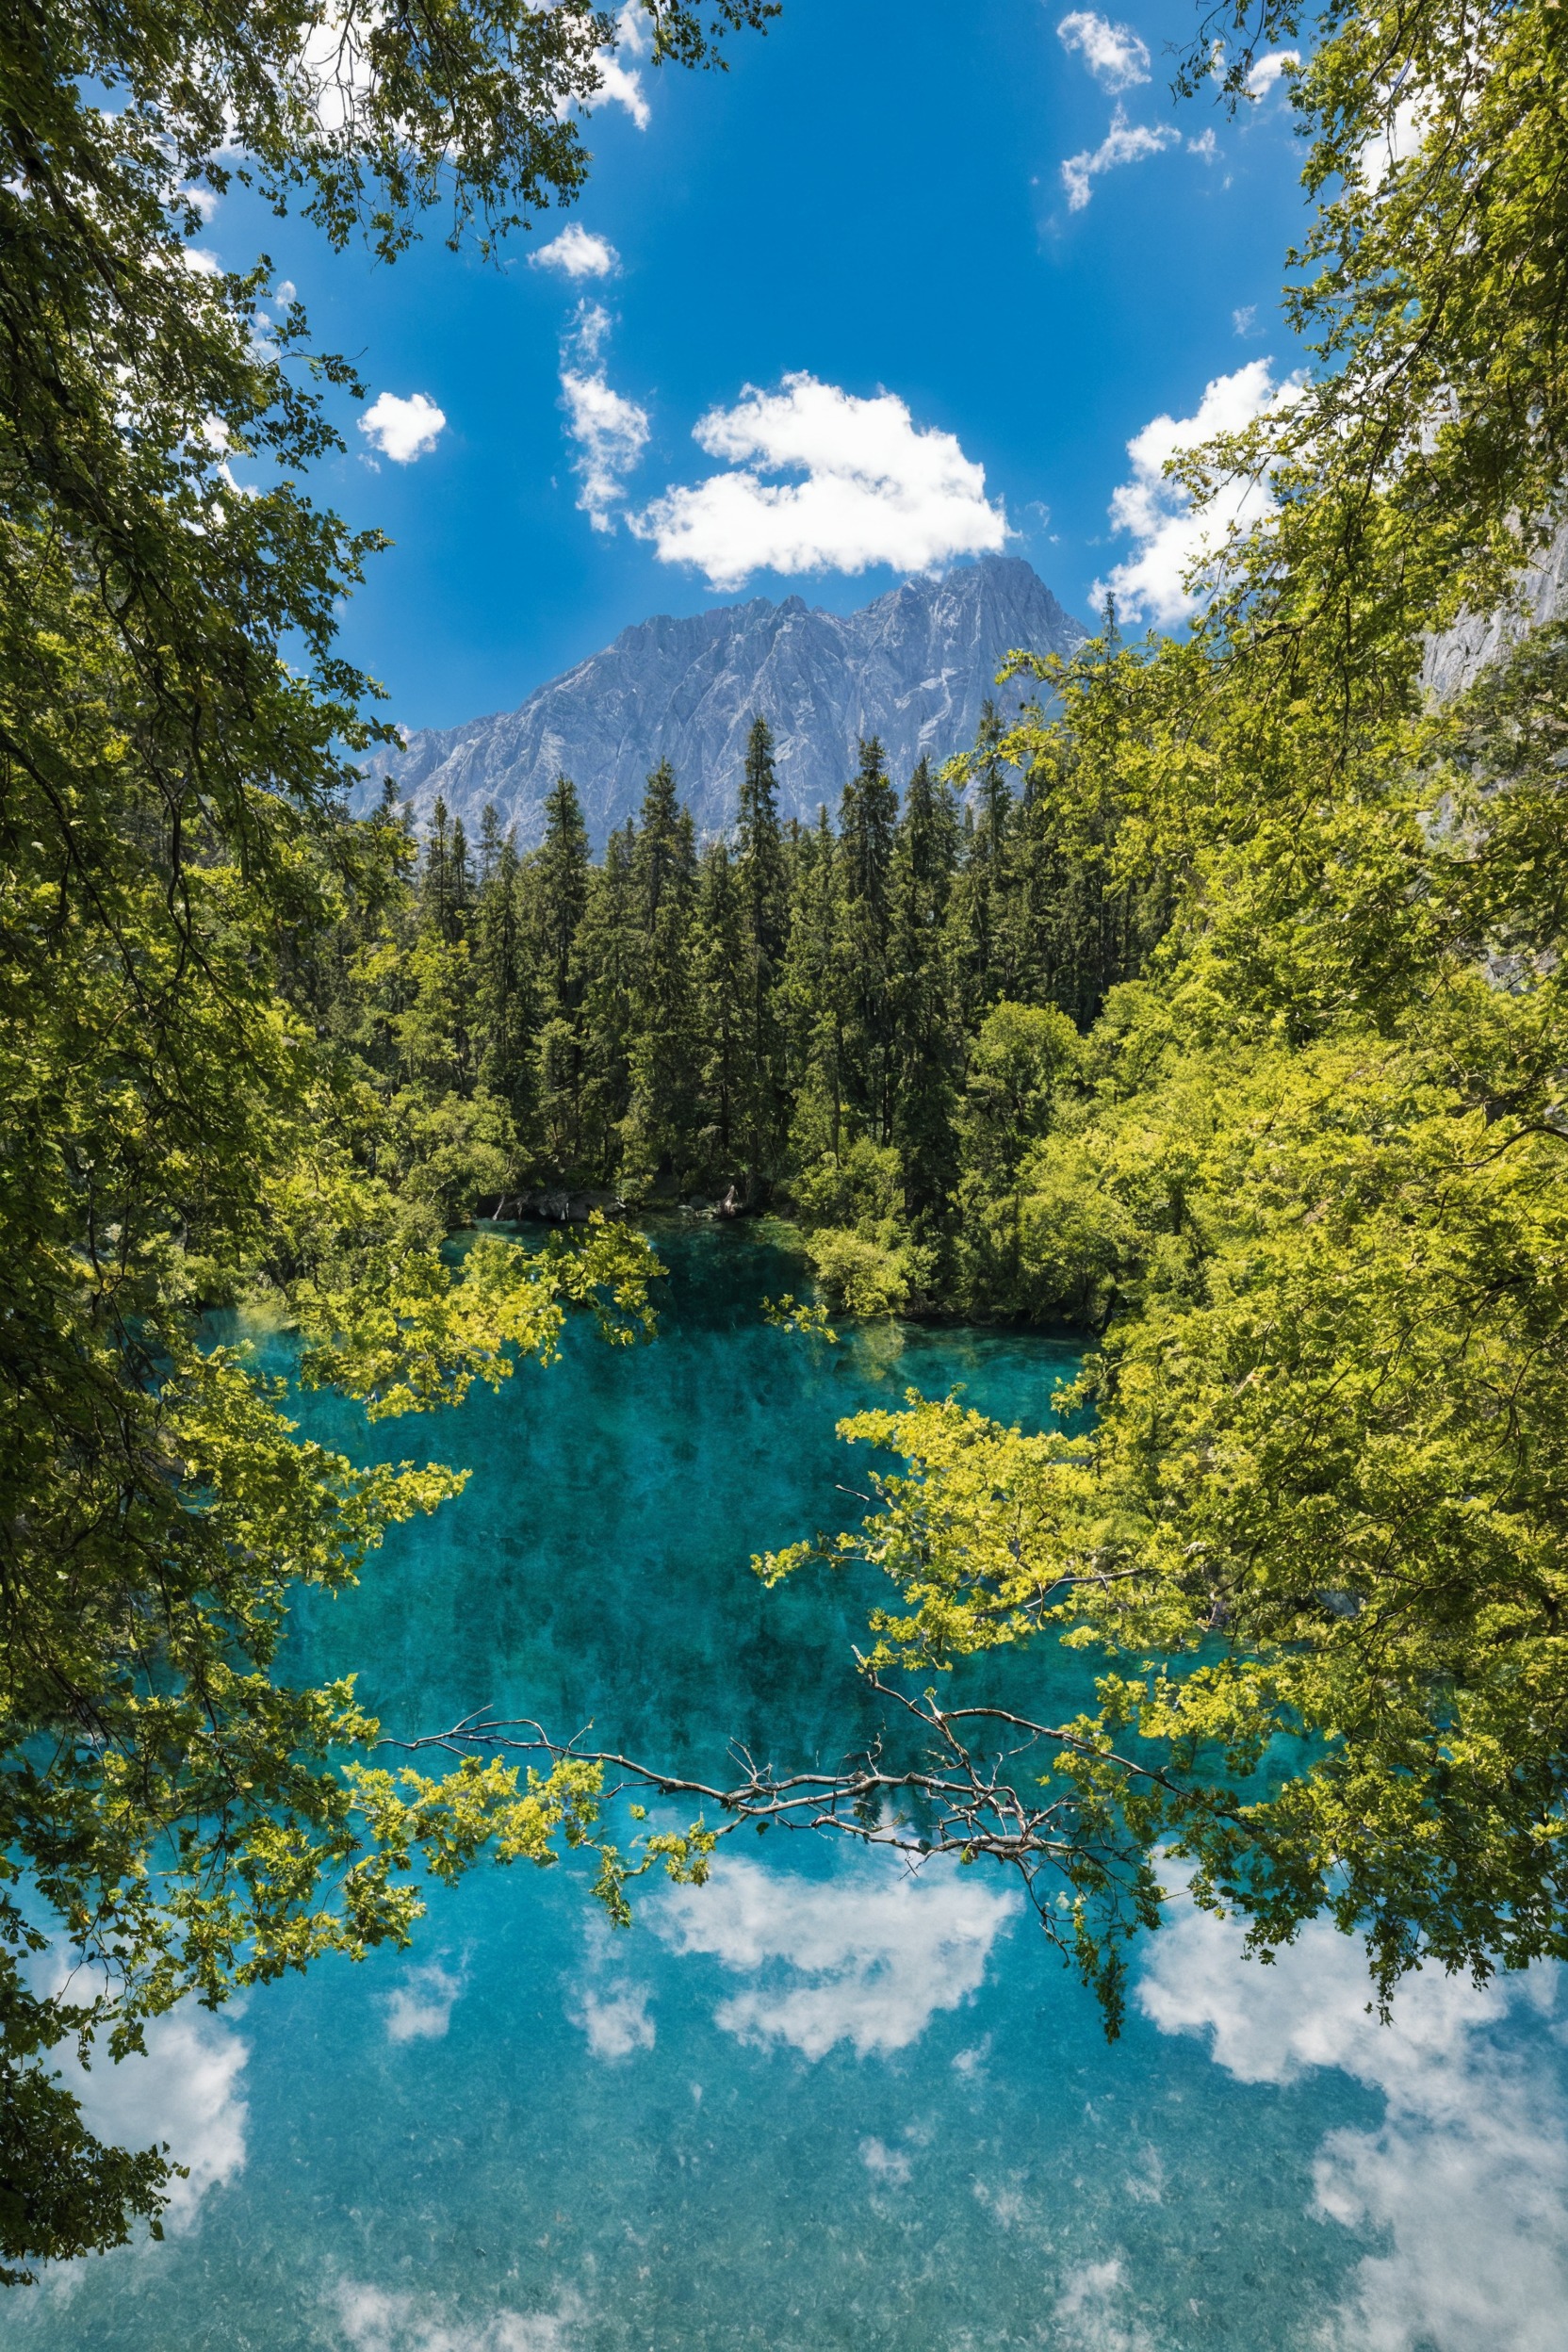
(867, 1956)
(1467, 2179)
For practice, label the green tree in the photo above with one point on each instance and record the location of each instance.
(608, 964)
(556, 894)
(989, 953)
(174, 722)
(763, 1103)
(927, 1038)
(554, 886)
(814, 1006)
(663, 1050)
(505, 1013)
(868, 817)
(725, 971)
(1022, 1063)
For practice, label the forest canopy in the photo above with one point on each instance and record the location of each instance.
(1215, 1006)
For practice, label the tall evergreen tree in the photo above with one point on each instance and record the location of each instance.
(553, 889)
(926, 1023)
(505, 1015)
(990, 951)
(762, 1107)
(664, 1053)
(812, 1001)
(726, 1007)
(867, 823)
(605, 973)
(491, 834)
(555, 893)
(460, 883)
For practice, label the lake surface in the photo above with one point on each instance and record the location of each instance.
(819, 2105)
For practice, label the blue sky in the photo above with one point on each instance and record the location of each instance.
(873, 198)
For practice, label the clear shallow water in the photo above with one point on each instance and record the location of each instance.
(816, 2104)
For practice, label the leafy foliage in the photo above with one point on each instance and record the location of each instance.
(181, 1126)
(1300, 1168)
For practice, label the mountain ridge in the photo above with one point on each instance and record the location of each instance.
(913, 667)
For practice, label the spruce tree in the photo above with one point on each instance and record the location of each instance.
(505, 1015)
(927, 1033)
(555, 893)
(811, 996)
(762, 1106)
(867, 821)
(725, 971)
(988, 946)
(552, 891)
(663, 1054)
(460, 885)
(606, 967)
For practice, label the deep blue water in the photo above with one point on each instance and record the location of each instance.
(818, 2104)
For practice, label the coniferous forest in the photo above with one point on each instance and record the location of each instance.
(862, 1022)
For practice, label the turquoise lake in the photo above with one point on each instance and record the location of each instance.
(819, 2105)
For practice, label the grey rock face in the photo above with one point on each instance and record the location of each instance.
(1455, 660)
(913, 667)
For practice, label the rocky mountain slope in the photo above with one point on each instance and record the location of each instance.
(913, 667)
(1456, 658)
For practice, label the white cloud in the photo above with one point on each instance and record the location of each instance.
(576, 252)
(402, 429)
(1206, 145)
(420, 2009)
(618, 2024)
(1112, 52)
(203, 200)
(621, 84)
(1269, 70)
(370, 2320)
(970, 2063)
(1125, 142)
(885, 2164)
(1245, 320)
(1405, 125)
(1089, 2314)
(1463, 2185)
(200, 262)
(186, 2090)
(867, 1957)
(284, 291)
(610, 432)
(1156, 512)
(587, 333)
(878, 489)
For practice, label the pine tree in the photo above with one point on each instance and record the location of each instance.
(762, 1107)
(491, 835)
(555, 893)
(990, 950)
(432, 1029)
(927, 1033)
(867, 821)
(435, 877)
(663, 1053)
(605, 970)
(460, 885)
(553, 889)
(505, 1015)
(811, 997)
(726, 1007)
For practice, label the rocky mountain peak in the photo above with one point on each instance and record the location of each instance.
(913, 667)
